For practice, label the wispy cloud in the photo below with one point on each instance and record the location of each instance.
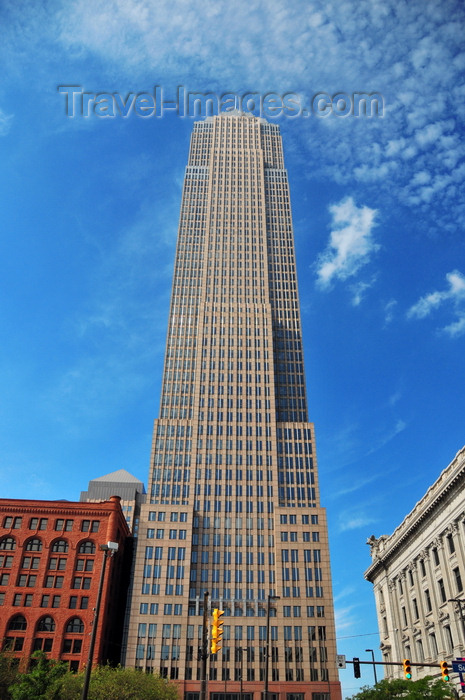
(395, 398)
(351, 243)
(118, 332)
(399, 426)
(453, 296)
(415, 155)
(358, 290)
(354, 521)
(355, 485)
(5, 122)
(389, 310)
(345, 617)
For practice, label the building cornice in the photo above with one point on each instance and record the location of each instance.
(384, 548)
(20, 506)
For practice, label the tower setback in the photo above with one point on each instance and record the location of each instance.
(233, 504)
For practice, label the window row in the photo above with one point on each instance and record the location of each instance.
(35, 544)
(18, 623)
(59, 525)
(27, 600)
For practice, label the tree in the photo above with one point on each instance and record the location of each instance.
(108, 683)
(8, 673)
(422, 689)
(37, 683)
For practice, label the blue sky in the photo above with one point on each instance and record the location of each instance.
(89, 221)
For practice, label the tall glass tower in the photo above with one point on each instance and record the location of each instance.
(233, 501)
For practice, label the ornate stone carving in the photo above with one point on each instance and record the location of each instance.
(375, 545)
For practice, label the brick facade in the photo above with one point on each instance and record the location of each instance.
(50, 567)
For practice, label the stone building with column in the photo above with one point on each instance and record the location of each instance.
(417, 575)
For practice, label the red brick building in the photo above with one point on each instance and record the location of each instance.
(50, 566)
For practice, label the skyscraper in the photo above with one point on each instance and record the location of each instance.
(233, 502)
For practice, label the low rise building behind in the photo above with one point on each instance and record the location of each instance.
(417, 575)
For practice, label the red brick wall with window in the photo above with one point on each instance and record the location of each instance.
(50, 566)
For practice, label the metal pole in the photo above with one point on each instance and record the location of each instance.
(374, 665)
(204, 652)
(107, 551)
(267, 647)
(242, 668)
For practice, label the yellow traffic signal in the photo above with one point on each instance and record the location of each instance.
(217, 630)
(445, 671)
(407, 669)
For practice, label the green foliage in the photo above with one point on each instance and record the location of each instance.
(108, 683)
(37, 683)
(50, 680)
(422, 689)
(8, 673)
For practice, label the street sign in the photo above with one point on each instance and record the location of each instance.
(341, 660)
(458, 666)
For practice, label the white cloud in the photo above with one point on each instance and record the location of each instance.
(395, 398)
(389, 310)
(354, 486)
(358, 290)
(5, 122)
(428, 134)
(139, 43)
(345, 617)
(454, 295)
(351, 243)
(349, 521)
(399, 426)
(456, 328)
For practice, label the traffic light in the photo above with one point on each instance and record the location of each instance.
(217, 630)
(356, 663)
(407, 669)
(445, 671)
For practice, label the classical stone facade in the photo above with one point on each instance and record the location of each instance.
(418, 573)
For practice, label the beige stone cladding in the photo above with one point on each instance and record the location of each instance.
(417, 575)
(233, 505)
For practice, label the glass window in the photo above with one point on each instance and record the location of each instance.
(46, 624)
(60, 546)
(18, 622)
(87, 547)
(75, 625)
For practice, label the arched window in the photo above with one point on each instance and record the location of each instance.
(87, 547)
(18, 622)
(8, 543)
(75, 625)
(34, 545)
(60, 546)
(46, 624)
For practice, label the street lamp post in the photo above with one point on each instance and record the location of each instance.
(242, 672)
(374, 665)
(109, 550)
(267, 647)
